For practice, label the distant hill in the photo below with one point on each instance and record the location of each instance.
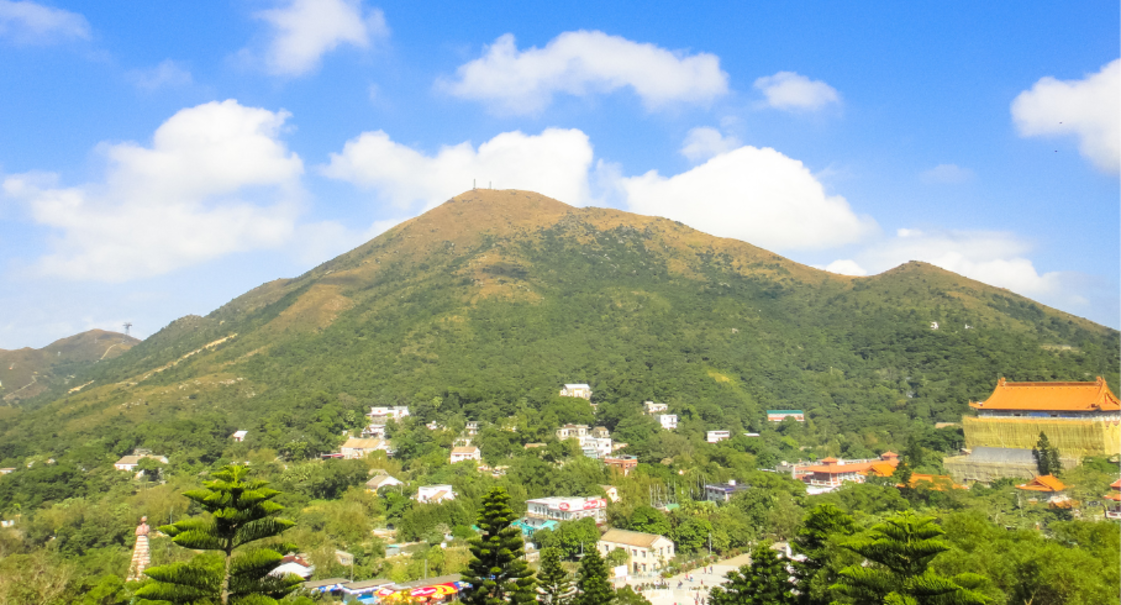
(27, 373)
(481, 308)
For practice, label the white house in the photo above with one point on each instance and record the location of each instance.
(239, 436)
(648, 552)
(780, 415)
(572, 431)
(650, 408)
(129, 463)
(396, 412)
(595, 443)
(717, 436)
(434, 494)
(379, 481)
(668, 421)
(565, 509)
(611, 491)
(459, 454)
(360, 448)
(582, 391)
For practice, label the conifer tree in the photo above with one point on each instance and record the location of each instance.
(766, 581)
(592, 587)
(1047, 457)
(816, 540)
(900, 551)
(497, 573)
(553, 578)
(235, 572)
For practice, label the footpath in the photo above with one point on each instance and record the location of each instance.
(688, 588)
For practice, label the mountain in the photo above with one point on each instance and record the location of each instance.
(484, 306)
(26, 373)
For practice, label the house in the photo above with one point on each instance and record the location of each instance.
(582, 391)
(600, 432)
(360, 448)
(572, 431)
(565, 509)
(470, 452)
(780, 415)
(129, 463)
(650, 408)
(1113, 498)
(723, 492)
(434, 494)
(648, 552)
(379, 481)
(434, 426)
(717, 436)
(533, 446)
(624, 464)
(7, 471)
(472, 428)
(239, 436)
(834, 472)
(396, 412)
(1049, 484)
(668, 421)
(293, 564)
(611, 491)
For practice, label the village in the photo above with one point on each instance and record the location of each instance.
(1080, 419)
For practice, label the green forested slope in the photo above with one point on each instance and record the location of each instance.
(483, 307)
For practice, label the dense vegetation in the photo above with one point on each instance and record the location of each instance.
(479, 311)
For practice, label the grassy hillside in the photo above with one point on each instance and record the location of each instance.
(481, 308)
(27, 373)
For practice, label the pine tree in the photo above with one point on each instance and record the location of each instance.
(497, 573)
(816, 540)
(553, 578)
(592, 587)
(1047, 457)
(900, 551)
(240, 512)
(766, 581)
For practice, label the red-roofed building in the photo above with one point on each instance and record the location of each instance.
(833, 472)
(1049, 484)
(1113, 501)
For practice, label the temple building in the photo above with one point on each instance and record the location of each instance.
(1079, 418)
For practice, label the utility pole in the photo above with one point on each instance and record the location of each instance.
(710, 544)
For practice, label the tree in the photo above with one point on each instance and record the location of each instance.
(553, 578)
(625, 595)
(816, 540)
(765, 581)
(1046, 457)
(902, 474)
(649, 520)
(592, 587)
(240, 512)
(497, 573)
(900, 551)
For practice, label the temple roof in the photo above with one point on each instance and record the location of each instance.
(1043, 483)
(1051, 396)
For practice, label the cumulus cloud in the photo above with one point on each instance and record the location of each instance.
(585, 62)
(32, 23)
(215, 180)
(305, 30)
(845, 266)
(790, 91)
(554, 163)
(167, 74)
(1086, 109)
(757, 195)
(703, 143)
(946, 174)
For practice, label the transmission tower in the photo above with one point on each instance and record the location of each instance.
(128, 324)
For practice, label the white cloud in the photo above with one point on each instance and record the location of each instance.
(794, 92)
(32, 23)
(703, 143)
(167, 74)
(845, 266)
(1086, 108)
(756, 195)
(585, 62)
(554, 163)
(305, 30)
(215, 180)
(947, 174)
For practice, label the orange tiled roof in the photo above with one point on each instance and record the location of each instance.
(1114, 497)
(829, 460)
(1043, 483)
(936, 481)
(1116, 484)
(889, 455)
(882, 469)
(1051, 396)
(840, 469)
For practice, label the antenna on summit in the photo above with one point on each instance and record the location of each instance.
(128, 324)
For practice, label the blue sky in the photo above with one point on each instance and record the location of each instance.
(159, 159)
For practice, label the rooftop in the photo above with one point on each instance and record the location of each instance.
(630, 538)
(357, 443)
(1051, 396)
(1043, 483)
